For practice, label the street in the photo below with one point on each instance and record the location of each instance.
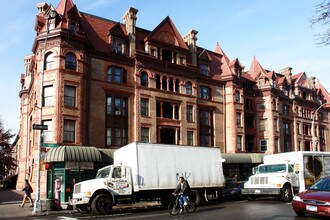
(261, 209)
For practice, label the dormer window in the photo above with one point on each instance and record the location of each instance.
(117, 46)
(204, 69)
(72, 26)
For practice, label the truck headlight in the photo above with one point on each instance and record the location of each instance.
(297, 198)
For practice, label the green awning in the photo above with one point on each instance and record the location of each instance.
(74, 153)
(243, 157)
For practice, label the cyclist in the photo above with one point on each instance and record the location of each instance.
(183, 189)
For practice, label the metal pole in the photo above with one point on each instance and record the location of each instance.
(37, 203)
(313, 125)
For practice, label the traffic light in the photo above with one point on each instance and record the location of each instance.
(48, 166)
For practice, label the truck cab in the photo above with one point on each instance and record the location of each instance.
(272, 180)
(101, 193)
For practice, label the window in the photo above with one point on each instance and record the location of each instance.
(275, 124)
(261, 106)
(188, 88)
(239, 142)
(204, 69)
(204, 92)
(116, 137)
(263, 125)
(49, 61)
(144, 79)
(298, 128)
(69, 131)
(70, 61)
(72, 27)
(190, 138)
(117, 74)
(116, 106)
(263, 145)
(237, 96)
(285, 109)
(206, 134)
(190, 113)
(145, 135)
(286, 128)
(47, 134)
(277, 150)
(48, 96)
(117, 46)
(70, 96)
(109, 136)
(274, 105)
(238, 120)
(144, 107)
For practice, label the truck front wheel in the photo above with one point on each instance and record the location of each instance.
(286, 194)
(102, 204)
(83, 208)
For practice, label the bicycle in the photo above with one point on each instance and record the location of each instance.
(174, 206)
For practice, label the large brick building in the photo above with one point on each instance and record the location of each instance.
(107, 84)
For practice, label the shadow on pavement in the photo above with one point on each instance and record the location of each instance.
(9, 195)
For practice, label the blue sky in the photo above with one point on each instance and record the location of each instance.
(277, 32)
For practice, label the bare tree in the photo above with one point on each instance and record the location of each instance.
(322, 16)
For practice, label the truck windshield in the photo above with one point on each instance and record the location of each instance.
(275, 168)
(104, 173)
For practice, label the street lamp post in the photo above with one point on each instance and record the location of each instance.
(313, 126)
(37, 204)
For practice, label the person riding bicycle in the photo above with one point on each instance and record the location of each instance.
(183, 189)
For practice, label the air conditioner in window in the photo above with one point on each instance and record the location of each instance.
(117, 112)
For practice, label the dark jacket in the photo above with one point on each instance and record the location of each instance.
(185, 188)
(27, 189)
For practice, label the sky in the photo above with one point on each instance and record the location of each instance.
(277, 32)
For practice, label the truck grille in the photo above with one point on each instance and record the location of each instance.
(77, 188)
(259, 180)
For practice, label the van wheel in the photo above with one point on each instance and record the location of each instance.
(286, 194)
(102, 204)
(195, 197)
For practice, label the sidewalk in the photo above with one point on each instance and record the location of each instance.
(10, 199)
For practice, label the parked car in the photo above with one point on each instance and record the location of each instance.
(315, 200)
(233, 190)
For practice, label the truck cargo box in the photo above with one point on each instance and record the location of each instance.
(158, 166)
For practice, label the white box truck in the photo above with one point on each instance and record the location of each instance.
(150, 172)
(285, 174)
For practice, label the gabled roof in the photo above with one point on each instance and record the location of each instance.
(320, 89)
(282, 81)
(219, 50)
(205, 55)
(235, 63)
(256, 69)
(167, 32)
(118, 30)
(64, 6)
(299, 78)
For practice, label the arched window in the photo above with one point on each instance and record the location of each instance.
(171, 84)
(144, 79)
(237, 96)
(49, 61)
(158, 81)
(164, 83)
(70, 62)
(177, 85)
(188, 88)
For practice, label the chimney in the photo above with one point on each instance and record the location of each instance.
(42, 8)
(191, 39)
(129, 19)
